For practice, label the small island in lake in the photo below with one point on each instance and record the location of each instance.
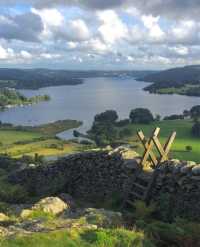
(10, 97)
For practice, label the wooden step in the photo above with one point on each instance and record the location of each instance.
(140, 186)
(139, 196)
(130, 203)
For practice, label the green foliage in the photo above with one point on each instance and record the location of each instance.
(180, 233)
(196, 129)
(141, 115)
(122, 123)
(39, 214)
(195, 112)
(103, 133)
(183, 80)
(164, 208)
(10, 96)
(126, 132)
(142, 211)
(188, 148)
(5, 208)
(107, 116)
(12, 193)
(174, 117)
(80, 238)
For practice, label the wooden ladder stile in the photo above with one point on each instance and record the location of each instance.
(148, 145)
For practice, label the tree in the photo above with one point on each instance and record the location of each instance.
(103, 133)
(186, 113)
(141, 115)
(196, 129)
(158, 118)
(195, 112)
(188, 148)
(107, 116)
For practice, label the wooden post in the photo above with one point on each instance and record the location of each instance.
(148, 146)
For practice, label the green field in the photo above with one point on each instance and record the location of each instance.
(183, 138)
(12, 136)
(17, 141)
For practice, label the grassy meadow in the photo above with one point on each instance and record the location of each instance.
(17, 141)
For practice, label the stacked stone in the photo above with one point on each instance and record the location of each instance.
(89, 175)
(180, 180)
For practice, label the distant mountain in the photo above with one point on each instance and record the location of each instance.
(37, 78)
(184, 80)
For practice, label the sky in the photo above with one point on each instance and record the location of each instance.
(99, 34)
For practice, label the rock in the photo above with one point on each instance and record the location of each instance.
(3, 231)
(67, 198)
(186, 169)
(53, 205)
(196, 170)
(103, 218)
(196, 178)
(3, 217)
(26, 213)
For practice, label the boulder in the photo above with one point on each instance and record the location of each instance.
(3, 217)
(25, 213)
(103, 218)
(196, 170)
(53, 205)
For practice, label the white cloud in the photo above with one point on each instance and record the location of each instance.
(180, 50)
(25, 54)
(50, 17)
(3, 53)
(184, 31)
(151, 23)
(130, 58)
(112, 28)
(49, 56)
(96, 45)
(78, 30)
(72, 45)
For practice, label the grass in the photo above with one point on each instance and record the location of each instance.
(49, 147)
(187, 89)
(184, 137)
(17, 141)
(84, 238)
(11, 136)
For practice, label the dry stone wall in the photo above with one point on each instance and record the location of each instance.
(90, 176)
(177, 188)
(98, 176)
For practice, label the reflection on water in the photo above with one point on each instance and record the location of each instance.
(83, 101)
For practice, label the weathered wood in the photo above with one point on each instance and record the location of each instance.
(148, 146)
(148, 153)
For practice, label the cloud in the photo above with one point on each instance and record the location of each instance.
(26, 54)
(180, 50)
(175, 9)
(112, 28)
(55, 26)
(151, 23)
(26, 27)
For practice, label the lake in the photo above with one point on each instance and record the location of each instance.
(82, 102)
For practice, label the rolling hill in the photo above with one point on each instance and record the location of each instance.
(38, 78)
(184, 80)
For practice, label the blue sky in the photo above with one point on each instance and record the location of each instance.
(99, 34)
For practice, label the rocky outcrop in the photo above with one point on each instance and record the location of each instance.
(51, 205)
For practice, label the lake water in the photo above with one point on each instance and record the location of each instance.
(82, 102)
